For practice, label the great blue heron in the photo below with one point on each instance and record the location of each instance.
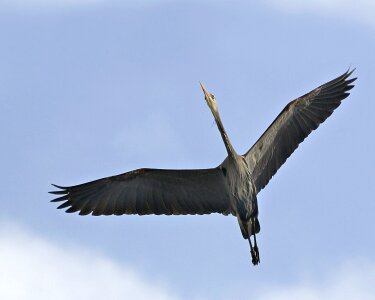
(230, 188)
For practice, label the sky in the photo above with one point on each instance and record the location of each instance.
(92, 88)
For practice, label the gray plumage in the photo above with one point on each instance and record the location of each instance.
(230, 188)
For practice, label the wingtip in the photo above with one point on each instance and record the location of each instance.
(62, 198)
(59, 186)
(62, 191)
(64, 205)
(350, 71)
(345, 77)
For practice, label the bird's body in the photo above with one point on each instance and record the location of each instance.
(230, 188)
(243, 198)
(241, 187)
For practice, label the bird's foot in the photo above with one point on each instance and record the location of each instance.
(255, 255)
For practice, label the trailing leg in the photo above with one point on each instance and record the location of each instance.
(253, 229)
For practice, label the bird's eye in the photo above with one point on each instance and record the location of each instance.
(212, 96)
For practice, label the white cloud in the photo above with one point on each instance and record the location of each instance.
(355, 280)
(36, 268)
(33, 267)
(362, 11)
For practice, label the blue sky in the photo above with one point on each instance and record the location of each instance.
(92, 88)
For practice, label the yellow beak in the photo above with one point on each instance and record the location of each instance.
(206, 93)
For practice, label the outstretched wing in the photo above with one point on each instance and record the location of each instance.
(292, 126)
(150, 191)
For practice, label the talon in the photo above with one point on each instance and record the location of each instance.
(255, 257)
(256, 250)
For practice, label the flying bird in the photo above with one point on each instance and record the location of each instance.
(230, 188)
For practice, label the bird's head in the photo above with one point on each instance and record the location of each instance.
(210, 98)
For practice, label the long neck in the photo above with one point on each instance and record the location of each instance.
(231, 152)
